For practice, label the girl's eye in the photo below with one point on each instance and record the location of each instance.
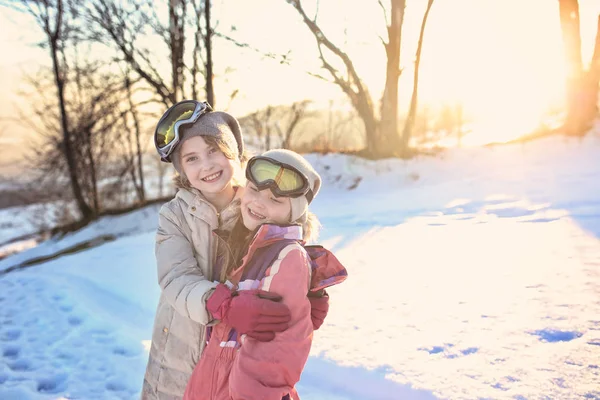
(274, 200)
(212, 150)
(190, 159)
(253, 188)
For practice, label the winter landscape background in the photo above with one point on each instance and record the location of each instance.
(459, 145)
(463, 283)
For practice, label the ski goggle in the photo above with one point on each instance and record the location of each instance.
(283, 179)
(166, 135)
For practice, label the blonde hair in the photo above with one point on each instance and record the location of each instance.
(231, 250)
(311, 227)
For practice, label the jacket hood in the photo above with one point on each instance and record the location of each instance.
(326, 269)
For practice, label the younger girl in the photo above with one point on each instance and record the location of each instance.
(267, 253)
(207, 150)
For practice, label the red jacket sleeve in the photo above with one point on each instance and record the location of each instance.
(269, 371)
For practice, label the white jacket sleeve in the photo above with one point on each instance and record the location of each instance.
(179, 276)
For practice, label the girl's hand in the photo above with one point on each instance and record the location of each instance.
(319, 306)
(256, 313)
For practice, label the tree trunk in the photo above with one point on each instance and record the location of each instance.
(382, 137)
(161, 168)
(268, 113)
(84, 208)
(590, 109)
(197, 36)
(176, 37)
(92, 170)
(575, 123)
(210, 93)
(374, 145)
(410, 120)
(388, 142)
(139, 154)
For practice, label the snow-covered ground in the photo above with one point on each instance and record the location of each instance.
(472, 275)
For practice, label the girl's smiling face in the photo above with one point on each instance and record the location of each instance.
(207, 168)
(259, 207)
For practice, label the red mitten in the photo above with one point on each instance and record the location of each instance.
(256, 313)
(319, 306)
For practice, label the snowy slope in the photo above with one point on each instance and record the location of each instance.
(475, 275)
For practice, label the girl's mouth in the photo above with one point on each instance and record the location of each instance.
(255, 215)
(213, 177)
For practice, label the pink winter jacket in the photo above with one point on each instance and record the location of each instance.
(241, 368)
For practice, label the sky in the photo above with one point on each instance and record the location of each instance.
(496, 58)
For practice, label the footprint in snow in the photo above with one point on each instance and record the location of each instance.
(75, 320)
(115, 386)
(126, 351)
(66, 358)
(65, 307)
(11, 352)
(58, 296)
(52, 384)
(10, 335)
(20, 365)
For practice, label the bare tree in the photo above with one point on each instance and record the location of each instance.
(582, 85)
(290, 121)
(389, 101)
(341, 127)
(422, 124)
(382, 135)
(176, 39)
(112, 22)
(161, 169)
(282, 120)
(93, 104)
(451, 121)
(268, 126)
(125, 24)
(197, 50)
(410, 120)
(88, 108)
(52, 18)
(210, 91)
(137, 179)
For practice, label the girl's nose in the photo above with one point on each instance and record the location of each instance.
(205, 165)
(259, 203)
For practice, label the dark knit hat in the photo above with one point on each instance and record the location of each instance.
(216, 124)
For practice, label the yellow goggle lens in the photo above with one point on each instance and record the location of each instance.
(286, 179)
(166, 130)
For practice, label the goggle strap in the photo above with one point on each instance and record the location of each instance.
(309, 195)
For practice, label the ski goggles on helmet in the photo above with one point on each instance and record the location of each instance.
(166, 135)
(283, 179)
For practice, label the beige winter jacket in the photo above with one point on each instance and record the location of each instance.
(185, 251)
